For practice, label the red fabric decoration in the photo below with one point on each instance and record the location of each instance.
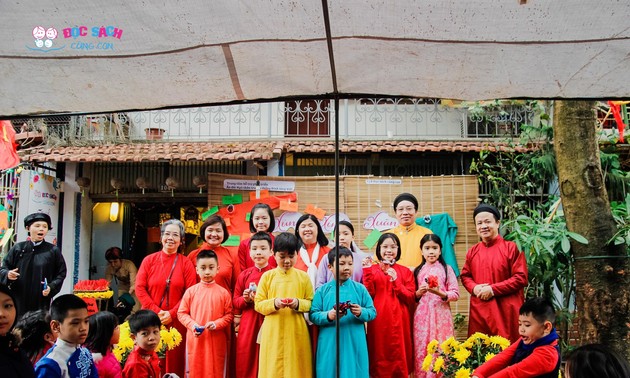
(8, 148)
(616, 111)
(92, 307)
(92, 285)
(236, 213)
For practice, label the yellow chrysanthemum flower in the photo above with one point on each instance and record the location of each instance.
(461, 355)
(94, 294)
(117, 353)
(432, 347)
(426, 363)
(462, 373)
(125, 343)
(165, 336)
(449, 345)
(499, 341)
(489, 356)
(177, 337)
(439, 363)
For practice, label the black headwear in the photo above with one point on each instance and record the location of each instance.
(485, 208)
(37, 217)
(405, 197)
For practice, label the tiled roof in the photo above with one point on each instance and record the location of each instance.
(246, 150)
(326, 146)
(157, 152)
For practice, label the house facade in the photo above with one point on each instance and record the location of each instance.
(154, 164)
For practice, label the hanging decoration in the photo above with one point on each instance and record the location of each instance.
(116, 184)
(8, 148)
(143, 183)
(200, 182)
(615, 108)
(10, 178)
(84, 183)
(172, 183)
(259, 167)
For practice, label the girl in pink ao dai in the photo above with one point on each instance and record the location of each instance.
(436, 286)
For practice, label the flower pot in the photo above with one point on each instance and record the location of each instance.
(154, 133)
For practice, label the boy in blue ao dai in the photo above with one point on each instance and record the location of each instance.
(356, 308)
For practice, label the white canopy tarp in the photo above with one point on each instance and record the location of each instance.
(123, 55)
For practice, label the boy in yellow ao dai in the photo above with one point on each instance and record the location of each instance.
(282, 296)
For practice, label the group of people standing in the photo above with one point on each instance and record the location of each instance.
(402, 293)
(407, 285)
(269, 308)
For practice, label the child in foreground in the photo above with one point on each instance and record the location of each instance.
(13, 362)
(206, 312)
(596, 360)
(283, 296)
(536, 353)
(143, 361)
(247, 348)
(67, 358)
(103, 335)
(354, 309)
(34, 334)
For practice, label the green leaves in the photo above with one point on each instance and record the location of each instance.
(547, 247)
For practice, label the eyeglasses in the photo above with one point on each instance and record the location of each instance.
(174, 235)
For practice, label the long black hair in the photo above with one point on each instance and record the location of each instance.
(436, 239)
(31, 330)
(102, 326)
(596, 360)
(322, 240)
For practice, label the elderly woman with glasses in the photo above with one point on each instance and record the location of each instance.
(162, 279)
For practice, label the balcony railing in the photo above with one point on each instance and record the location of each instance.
(359, 119)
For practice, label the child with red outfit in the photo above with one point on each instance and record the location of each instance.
(536, 354)
(260, 220)
(392, 287)
(246, 346)
(143, 361)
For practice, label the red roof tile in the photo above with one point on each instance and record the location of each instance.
(327, 146)
(247, 150)
(157, 152)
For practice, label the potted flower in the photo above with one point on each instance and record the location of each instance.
(169, 339)
(454, 359)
